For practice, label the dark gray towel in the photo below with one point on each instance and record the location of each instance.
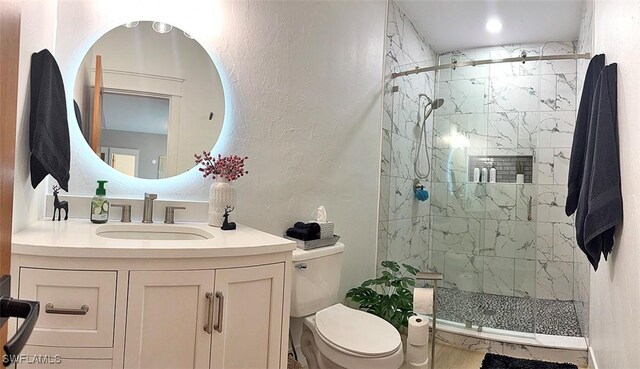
(48, 127)
(578, 149)
(600, 203)
(76, 110)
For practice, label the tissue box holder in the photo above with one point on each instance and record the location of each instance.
(314, 244)
(326, 228)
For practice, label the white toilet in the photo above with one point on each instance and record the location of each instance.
(335, 336)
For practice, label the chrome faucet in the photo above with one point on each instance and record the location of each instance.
(147, 211)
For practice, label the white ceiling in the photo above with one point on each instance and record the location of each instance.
(460, 24)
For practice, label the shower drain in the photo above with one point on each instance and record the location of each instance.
(489, 312)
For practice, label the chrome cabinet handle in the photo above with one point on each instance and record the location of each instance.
(218, 325)
(529, 217)
(207, 327)
(50, 309)
(301, 266)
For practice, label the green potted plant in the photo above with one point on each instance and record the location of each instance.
(388, 296)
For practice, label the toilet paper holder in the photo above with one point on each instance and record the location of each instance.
(435, 277)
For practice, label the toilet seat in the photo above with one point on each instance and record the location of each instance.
(356, 332)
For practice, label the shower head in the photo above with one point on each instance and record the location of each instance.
(433, 105)
(436, 104)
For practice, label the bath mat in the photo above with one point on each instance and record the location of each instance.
(293, 364)
(493, 361)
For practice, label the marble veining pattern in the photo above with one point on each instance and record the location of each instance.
(482, 236)
(527, 110)
(581, 265)
(403, 232)
(554, 280)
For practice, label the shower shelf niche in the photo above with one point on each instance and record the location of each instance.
(506, 166)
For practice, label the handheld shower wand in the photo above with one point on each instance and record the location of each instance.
(431, 106)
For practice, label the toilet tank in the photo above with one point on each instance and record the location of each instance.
(316, 279)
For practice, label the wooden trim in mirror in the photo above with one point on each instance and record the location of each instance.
(96, 118)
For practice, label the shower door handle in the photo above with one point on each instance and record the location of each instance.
(529, 217)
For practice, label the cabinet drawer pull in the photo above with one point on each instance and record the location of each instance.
(218, 326)
(50, 309)
(207, 327)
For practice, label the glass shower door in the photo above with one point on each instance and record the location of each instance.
(483, 234)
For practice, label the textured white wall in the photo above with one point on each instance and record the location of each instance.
(37, 32)
(615, 287)
(304, 81)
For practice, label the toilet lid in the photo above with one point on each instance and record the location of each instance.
(357, 331)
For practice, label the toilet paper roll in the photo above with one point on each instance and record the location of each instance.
(423, 300)
(424, 365)
(418, 332)
(417, 356)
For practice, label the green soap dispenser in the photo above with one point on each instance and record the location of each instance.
(100, 205)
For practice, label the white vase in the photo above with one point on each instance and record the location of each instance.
(221, 195)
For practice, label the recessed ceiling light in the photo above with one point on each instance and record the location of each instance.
(131, 24)
(493, 25)
(161, 27)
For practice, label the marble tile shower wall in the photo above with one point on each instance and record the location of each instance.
(581, 265)
(481, 236)
(403, 233)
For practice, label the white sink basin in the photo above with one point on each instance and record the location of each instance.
(153, 232)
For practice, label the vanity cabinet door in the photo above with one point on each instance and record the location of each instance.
(166, 315)
(248, 317)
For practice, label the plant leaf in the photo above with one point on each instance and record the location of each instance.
(410, 269)
(391, 265)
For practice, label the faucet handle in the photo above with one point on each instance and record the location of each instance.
(169, 213)
(126, 212)
(150, 196)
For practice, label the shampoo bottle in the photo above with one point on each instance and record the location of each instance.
(476, 175)
(100, 205)
(484, 177)
(492, 174)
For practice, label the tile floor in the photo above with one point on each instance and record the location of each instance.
(450, 357)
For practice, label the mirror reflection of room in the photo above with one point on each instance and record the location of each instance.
(149, 96)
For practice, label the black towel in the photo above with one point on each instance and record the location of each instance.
(302, 234)
(48, 127)
(312, 227)
(76, 110)
(578, 150)
(600, 202)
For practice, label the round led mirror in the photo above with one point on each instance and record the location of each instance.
(147, 97)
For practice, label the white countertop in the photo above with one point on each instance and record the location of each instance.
(78, 238)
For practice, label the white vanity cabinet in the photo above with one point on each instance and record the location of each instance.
(219, 303)
(249, 302)
(227, 318)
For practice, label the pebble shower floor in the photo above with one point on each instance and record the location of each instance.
(509, 313)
